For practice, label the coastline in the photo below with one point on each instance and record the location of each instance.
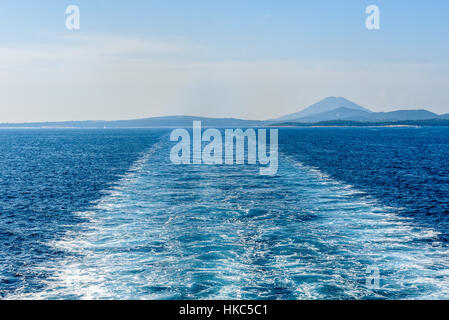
(349, 126)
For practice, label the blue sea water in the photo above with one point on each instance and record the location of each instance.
(104, 214)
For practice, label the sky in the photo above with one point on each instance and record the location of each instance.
(246, 59)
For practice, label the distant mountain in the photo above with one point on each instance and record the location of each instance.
(336, 114)
(350, 123)
(171, 121)
(327, 104)
(397, 116)
(360, 115)
(332, 110)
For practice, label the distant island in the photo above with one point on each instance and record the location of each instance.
(338, 111)
(331, 111)
(156, 122)
(347, 123)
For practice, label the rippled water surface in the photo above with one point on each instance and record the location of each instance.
(104, 214)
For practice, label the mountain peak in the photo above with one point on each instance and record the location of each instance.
(327, 104)
(334, 98)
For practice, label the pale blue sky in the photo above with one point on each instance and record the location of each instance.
(250, 59)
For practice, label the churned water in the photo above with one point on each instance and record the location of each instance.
(104, 214)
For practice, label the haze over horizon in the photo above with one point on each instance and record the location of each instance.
(252, 60)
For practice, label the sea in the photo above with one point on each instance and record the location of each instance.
(352, 213)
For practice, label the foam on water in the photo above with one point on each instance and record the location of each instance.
(219, 232)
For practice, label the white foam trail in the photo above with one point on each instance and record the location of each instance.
(70, 277)
(393, 241)
(221, 232)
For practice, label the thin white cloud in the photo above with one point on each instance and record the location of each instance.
(99, 77)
